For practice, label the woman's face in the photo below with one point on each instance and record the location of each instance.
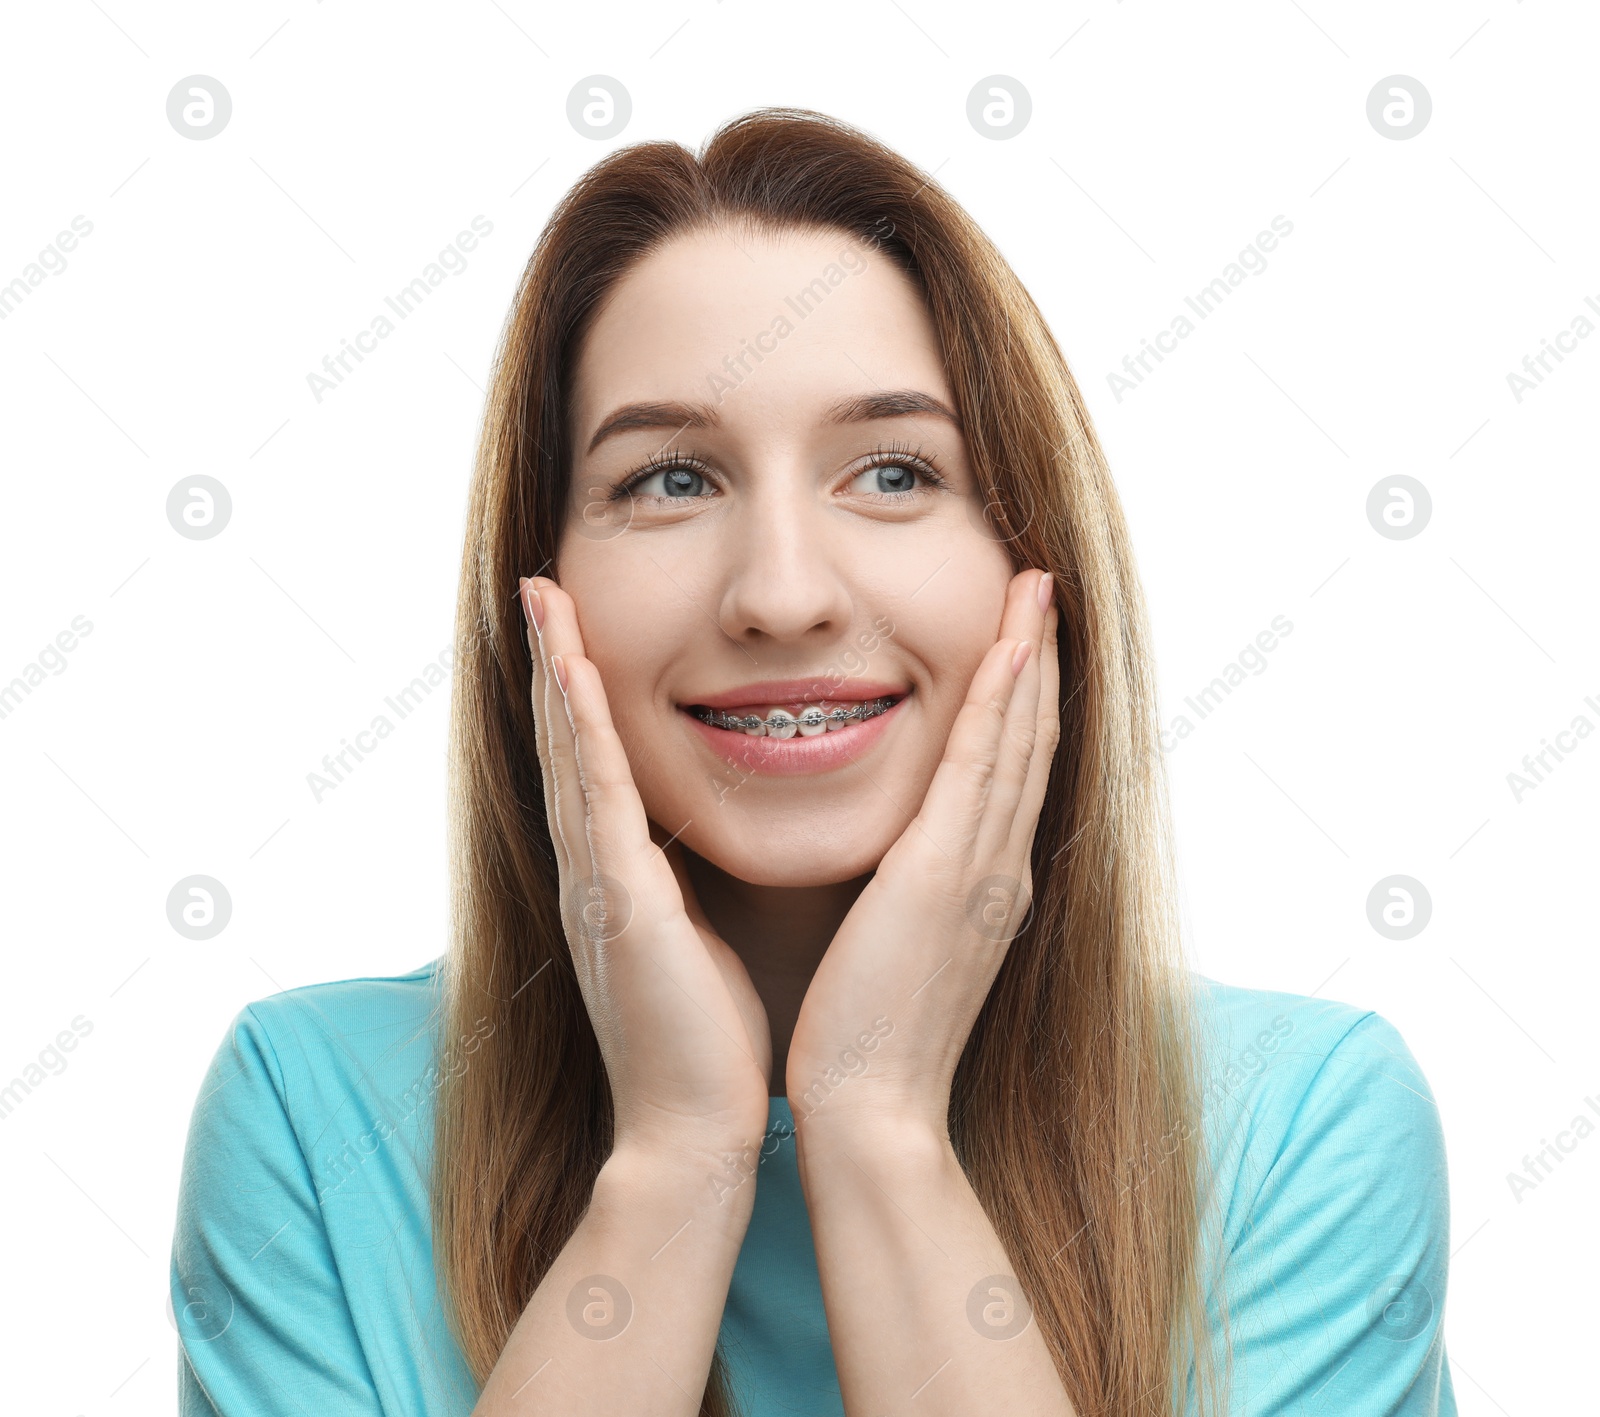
(804, 538)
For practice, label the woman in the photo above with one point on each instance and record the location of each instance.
(814, 1036)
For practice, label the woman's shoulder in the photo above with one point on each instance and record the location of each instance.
(1240, 1010)
(1333, 1202)
(337, 1057)
(359, 1000)
(1282, 1072)
(1266, 1049)
(304, 1191)
(1314, 1092)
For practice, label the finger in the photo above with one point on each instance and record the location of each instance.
(1025, 619)
(1026, 820)
(539, 687)
(954, 805)
(560, 636)
(617, 830)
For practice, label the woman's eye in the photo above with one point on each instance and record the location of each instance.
(891, 479)
(677, 483)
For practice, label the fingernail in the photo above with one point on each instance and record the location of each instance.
(532, 604)
(1020, 657)
(561, 673)
(1044, 591)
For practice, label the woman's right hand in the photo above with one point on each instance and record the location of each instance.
(684, 1035)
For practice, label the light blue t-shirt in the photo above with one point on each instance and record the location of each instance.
(302, 1261)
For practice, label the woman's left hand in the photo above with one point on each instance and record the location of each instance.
(893, 1001)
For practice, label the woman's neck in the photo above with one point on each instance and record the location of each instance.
(780, 934)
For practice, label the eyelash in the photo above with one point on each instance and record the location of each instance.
(884, 455)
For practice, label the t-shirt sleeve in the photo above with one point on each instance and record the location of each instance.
(263, 1325)
(1336, 1281)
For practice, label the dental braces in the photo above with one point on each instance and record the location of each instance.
(780, 723)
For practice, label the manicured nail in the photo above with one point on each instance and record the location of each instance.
(561, 673)
(1020, 657)
(532, 604)
(1044, 591)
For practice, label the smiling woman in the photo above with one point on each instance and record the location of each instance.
(881, 584)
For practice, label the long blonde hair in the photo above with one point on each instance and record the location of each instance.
(1076, 1106)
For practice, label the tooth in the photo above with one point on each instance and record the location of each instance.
(812, 721)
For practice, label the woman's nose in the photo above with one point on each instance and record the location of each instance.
(783, 574)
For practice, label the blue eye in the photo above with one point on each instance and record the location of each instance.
(679, 477)
(894, 479)
(894, 469)
(679, 483)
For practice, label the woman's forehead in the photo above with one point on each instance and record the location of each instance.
(756, 328)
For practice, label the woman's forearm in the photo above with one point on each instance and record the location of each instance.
(625, 1321)
(924, 1311)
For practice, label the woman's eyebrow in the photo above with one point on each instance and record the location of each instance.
(654, 415)
(890, 403)
(883, 403)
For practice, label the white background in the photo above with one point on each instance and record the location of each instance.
(1377, 741)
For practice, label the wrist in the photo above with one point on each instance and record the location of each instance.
(692, 1169)
(897, 1143)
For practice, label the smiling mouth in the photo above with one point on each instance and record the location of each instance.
(811, 721)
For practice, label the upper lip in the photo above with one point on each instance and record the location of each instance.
(807, 691)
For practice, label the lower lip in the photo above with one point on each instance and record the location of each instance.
(786, 757)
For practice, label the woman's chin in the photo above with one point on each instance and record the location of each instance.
(806, 866)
